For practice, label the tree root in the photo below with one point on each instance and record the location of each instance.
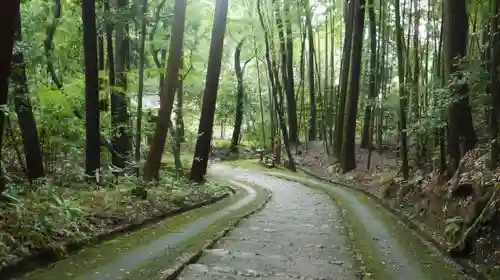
(464, 247)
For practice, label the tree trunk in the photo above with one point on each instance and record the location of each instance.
(312, 94)
(155, 154)
(461, 134)
(92, 144)
(179, 117)
(24, 111)
(402, 95)
(290, 90)
(47, 44)
(333, 95)
(344, 80)
(239, 98)
(366, 136)
(120, 118)
(109, 49)
(348, 157)
(142, 55)
(202, 150)
(8, 13)
(494, 87)
(262, 120)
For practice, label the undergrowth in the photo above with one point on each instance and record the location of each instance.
(50, 216)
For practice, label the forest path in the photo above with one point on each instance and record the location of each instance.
(303, 234)
(299, 234)
(155, 252)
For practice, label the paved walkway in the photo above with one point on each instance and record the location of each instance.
(298, 235)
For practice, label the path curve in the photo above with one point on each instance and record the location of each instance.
(299, 234)
(303, 234)
(149, 252)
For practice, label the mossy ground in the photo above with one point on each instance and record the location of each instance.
(91, 258)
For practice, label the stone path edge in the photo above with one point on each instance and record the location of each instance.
(467, 265)
(47, 257)
(255, 206)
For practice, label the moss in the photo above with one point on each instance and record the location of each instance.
(93, 257)
(155, 268)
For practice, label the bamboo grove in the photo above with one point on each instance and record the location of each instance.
(419, 73)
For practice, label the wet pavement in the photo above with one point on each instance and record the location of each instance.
(312, 230)
(300, 234)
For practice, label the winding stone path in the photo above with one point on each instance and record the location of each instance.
(298, 235)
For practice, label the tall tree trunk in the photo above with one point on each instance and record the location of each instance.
(348, 157)
(442, 80)
(344, 79)
(302, 74)
(142, 56)
(47, 44)
(8, 14)
(109, 47)
(262, 120)
(92, 145)
(104, 100)
(24, 111)
(415, 103)
(179, 106)
(333, 95)
(202, 150)
(494, 86)
(120, 119)
(383, 76)
(289, 86)
(312, 94)
(461, 134)
(239, 98)
(402, 94)
(155, 154)
(366, 137)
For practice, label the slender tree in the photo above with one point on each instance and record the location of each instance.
(202, 150)
(402, 94)
(365, 137)
(344, 78)
(120, 118)
(290, 87)
(8, 13)
(312, 93)
(24, 111)
(239, 97)
(494, 111)
(92, 145)
(142, 59)
(461, 134)
(155, 154)
(348, 157)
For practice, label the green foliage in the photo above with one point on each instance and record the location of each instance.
(49, 216)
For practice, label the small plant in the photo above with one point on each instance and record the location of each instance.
(453, 229)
